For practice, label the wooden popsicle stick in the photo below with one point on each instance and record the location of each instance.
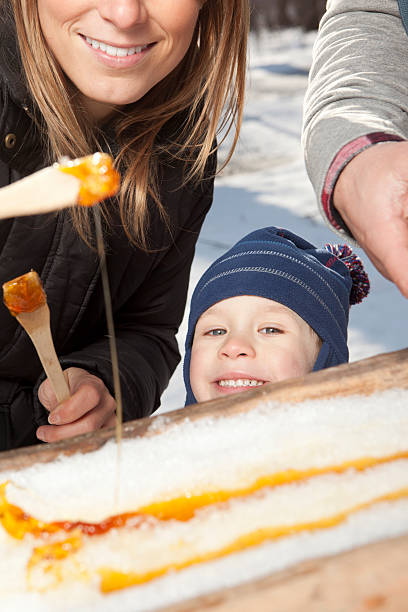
(37, 326)
(45, 191)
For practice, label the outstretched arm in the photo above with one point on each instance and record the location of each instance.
(357, 98)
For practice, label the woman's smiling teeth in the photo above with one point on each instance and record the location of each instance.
(114, 51)
(240, 382)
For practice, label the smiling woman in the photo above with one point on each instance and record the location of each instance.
(194, 63)
(152, 82)
(127, 46)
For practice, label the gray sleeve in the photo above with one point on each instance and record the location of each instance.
(358, 82)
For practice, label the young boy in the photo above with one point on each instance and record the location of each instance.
(273, 307)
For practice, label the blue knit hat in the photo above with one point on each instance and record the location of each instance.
(318, 284)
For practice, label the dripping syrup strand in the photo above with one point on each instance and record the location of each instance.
(112, 341)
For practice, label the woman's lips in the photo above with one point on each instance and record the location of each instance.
(117, 56)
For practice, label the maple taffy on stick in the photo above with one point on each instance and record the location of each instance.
(84, 181)
(25, 298)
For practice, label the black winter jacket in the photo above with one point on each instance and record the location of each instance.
(148, 289)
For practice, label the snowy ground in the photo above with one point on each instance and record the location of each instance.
(266, 184)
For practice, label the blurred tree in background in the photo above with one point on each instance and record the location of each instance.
(287, 13)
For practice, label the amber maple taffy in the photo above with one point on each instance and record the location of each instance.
(86, 181)
(25, 298)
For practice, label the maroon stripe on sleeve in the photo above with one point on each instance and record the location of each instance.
(343, 157)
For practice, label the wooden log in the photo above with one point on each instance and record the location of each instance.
(365, 377)
(368, 579)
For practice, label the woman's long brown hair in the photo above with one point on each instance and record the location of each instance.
(208, 85)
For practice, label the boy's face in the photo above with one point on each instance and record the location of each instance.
(247, 341)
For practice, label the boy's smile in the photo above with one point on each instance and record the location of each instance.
(235, 381)
(246, 341)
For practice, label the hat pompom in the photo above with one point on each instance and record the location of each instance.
(360, 280)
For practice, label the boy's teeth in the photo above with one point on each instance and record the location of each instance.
(241, 382)
(114, 51)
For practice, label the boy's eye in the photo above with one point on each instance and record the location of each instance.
(270, 330)
(216, 332)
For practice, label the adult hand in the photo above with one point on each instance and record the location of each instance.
(372, 197)
(89, 408)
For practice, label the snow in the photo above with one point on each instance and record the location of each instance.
(289, 497)
(215, 454)
(266, 184)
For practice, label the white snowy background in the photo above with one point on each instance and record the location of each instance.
(266, 184)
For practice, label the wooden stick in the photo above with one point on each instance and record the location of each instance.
(85, 181)
(37, 326)
(45, 191)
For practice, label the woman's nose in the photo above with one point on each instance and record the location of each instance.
(237, 346)
(124, 14)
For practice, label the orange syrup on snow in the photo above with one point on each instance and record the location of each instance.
(18, 523)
